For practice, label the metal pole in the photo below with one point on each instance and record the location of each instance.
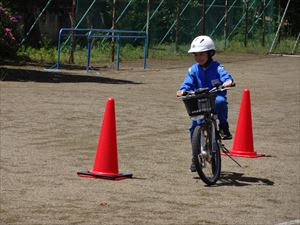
(145, 52)
(246, 22)
(279, 16)
(263, 22)
(177, 26)
(58, 48)
(118, 52)
(89, 51)
(73, 22)
(148, 23)
(225, 22)
(296, 44)
(113, 27)
(202, 25)
(278, 29)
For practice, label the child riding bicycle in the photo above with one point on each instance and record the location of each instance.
(208, 73)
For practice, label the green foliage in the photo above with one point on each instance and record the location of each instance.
(41, 55)
(253, 47)
(286, 46)
(102, 52)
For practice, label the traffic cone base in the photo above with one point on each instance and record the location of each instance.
(106, 160)
(120, 176)
(245, 154)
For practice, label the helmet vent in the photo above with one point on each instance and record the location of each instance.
(202, 40)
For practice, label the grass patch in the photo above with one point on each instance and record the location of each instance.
(101, 52)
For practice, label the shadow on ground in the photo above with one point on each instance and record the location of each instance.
(238, 179)
(23, 75)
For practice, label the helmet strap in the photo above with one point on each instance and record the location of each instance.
(211, 53)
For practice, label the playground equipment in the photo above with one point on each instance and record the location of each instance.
(101, 33)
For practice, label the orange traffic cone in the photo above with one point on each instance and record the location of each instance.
(243, 140)
(106, 160)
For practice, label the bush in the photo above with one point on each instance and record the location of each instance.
(8, 32)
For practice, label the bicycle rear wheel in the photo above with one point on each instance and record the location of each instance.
(206, 155)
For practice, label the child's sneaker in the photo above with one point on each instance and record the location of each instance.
(224, 131)
(193, 167)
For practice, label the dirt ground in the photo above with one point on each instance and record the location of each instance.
(50, 124)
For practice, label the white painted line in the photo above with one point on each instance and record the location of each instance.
(292, 222)
(279, 54)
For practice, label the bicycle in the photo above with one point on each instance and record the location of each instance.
(206, 139)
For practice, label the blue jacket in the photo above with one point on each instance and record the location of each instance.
(197, 77)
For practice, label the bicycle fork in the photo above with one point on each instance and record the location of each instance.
(213, 138)
(208, 143)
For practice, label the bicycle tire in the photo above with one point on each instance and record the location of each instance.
(204, 165)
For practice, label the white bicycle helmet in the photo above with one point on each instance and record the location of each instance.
(202, 44)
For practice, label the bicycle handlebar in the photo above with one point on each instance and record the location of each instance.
(199, 91)
(221, 88)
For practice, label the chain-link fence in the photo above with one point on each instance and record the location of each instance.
(245, 21)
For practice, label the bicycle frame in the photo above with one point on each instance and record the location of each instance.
(206, 140)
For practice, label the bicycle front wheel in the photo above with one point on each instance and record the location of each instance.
(206, 154)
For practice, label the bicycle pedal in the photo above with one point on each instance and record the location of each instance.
(204, 153)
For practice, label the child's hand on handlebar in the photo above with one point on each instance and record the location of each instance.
(180, 93)
(228, 83)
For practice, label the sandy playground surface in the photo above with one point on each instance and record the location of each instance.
(50, 124)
